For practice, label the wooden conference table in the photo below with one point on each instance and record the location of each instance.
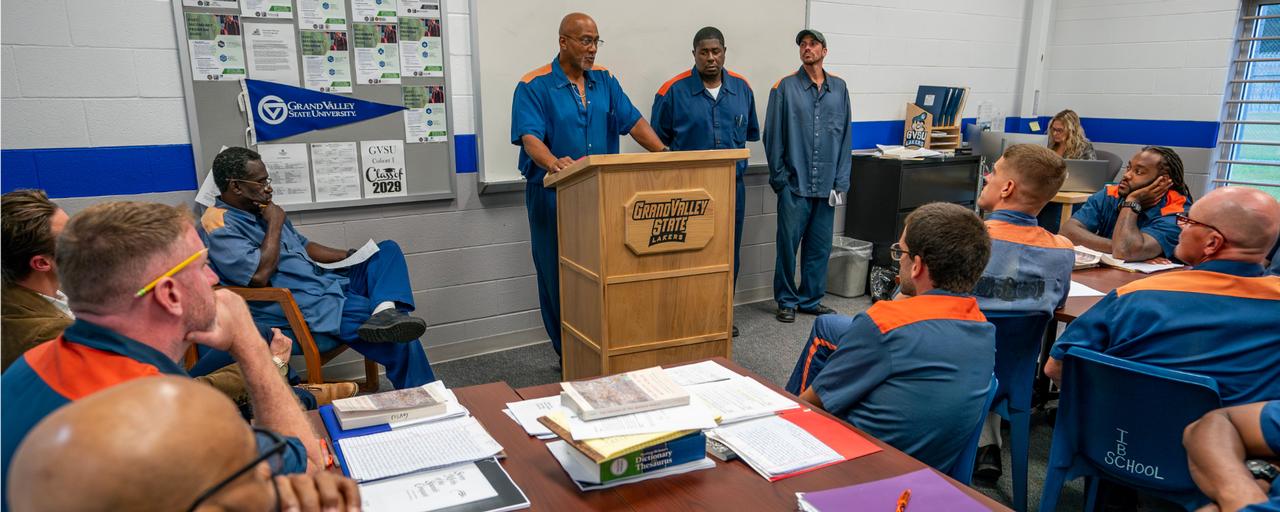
(1103, 279)
(729, 486)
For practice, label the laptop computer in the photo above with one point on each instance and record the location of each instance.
(1086, 175)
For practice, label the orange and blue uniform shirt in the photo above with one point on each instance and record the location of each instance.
(1100, 211)
(548, 106)
(1029, 269)
(87, 358)
(686, 117)
(912, 372)
(1221, 319)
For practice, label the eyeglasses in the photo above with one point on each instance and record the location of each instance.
(170, 273)
(896, 251)
(589, 42)
(273, 455)
(266, 182)
(1185, 220)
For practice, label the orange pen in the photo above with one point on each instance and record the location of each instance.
(903, 500)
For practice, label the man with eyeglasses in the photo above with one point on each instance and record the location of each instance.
(1133, 220)
(709, 107)
(163, 444)
(912, 372)
(561, 112)
(807, 141)
(1218, 319)
(137, 279)
(365, 306)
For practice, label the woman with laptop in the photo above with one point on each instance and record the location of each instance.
(1066, 137)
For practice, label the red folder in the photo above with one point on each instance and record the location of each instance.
(849, 444)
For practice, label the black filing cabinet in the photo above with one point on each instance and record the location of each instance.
(883, 192)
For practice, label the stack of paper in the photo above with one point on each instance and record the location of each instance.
(527, 412)
(903, 153)
(740, 398)
(698, 373)
(792, 443)
(426, 446)
(471, 486)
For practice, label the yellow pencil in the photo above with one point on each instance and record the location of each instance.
(171, 272)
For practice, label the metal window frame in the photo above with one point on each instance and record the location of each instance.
(1235, 94)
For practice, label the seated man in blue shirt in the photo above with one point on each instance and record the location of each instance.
(1030, 268)
(1133, 220)
(1218, 445)
(709, 107)
(1217, 319)
(163, 443)
(366, 305)
(912, 372)
(137, 279)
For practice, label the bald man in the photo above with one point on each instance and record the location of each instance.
(161, 443)
(561, 112)
(1217, 319)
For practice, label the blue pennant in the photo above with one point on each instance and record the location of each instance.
(279, 110)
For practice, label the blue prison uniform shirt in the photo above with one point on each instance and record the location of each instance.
(1218, 320)
(686, 117)
(808, 137)
(1029, 269)
(1100, 211)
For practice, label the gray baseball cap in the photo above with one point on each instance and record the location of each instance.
(811, 32)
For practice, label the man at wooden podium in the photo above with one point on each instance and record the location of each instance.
(713, 108)
(561, 112)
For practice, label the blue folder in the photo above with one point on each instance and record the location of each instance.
(336, 433)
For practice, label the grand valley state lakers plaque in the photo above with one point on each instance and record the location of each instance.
(669, 221)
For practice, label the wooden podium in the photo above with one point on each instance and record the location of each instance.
(646, 259)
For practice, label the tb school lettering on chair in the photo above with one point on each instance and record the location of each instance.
(1119, 459)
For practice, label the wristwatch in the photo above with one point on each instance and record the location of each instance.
(1262, 470)
(1132, 205)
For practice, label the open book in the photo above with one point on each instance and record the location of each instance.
(1088, 258)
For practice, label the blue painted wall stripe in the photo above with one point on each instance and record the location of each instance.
(118, 170)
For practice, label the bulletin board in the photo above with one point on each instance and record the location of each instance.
(646, 43)
(383, 51)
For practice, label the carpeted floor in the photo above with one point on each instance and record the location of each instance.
(769, 348)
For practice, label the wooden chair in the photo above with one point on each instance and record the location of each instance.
(315, 359)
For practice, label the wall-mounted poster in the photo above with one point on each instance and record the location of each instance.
(336, 171)
(322, 15)
(217, 51)
(212, 4)
(421, 51)
(373, 11)
(420, 8)
(382, 168)
(267, 8)
(326, 61)
(272, 52)
(425, 120)
(377, 53)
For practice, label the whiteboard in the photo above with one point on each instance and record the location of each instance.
(646, 43)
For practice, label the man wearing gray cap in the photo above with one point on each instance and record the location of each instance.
(807, 139)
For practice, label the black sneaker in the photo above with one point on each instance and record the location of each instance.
(735, 331)
(818, 310)
(392, 326)
(786, 315)
(987, 468)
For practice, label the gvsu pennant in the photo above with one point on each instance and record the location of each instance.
(278, 111)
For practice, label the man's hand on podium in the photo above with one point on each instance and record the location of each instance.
(559, 164)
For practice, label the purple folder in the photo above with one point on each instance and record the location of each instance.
(928, 492)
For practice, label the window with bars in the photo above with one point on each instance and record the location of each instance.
(1249, 150)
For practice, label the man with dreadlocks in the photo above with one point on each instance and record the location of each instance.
(1134, 220)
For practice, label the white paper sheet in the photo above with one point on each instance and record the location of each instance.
(698, 373)
(290, 170)
(687, 417)
(382, 168)
(411, 449)
(365, 252)
(740, 399)
(774, 446)
(322, 15)
(381, 11)
(215, 46)
(377, 53)
(272, 52)
(279, 9)
(527, 412)
(1080, 290)
(427, 490)
(213, 4)
(420, 8)
(209, 188)
(559, 450)
(335, 168)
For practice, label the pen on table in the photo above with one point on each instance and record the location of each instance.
(903, 500)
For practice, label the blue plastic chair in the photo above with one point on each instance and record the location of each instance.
(1123, 421)
(963, 470)
(1018, 337)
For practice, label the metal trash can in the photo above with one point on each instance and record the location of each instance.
(848, 266)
